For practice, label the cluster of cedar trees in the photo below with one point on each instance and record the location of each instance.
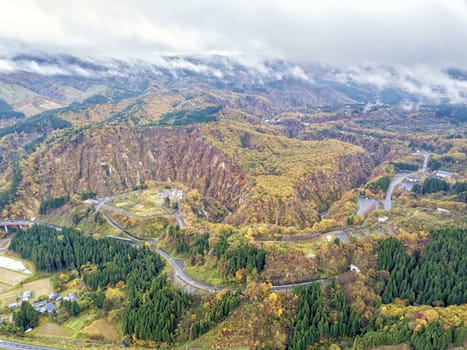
(39, 123)
(72, 307)
(26, 317)
(187, 117)
(215, 314)
(436, 275)
(8, 196)
(432, 185)
(57, 202)
(321, 316)
(154, 307)
(382, 183)
(393, 332)
(53, 203)
(230, 259)
(7, 112)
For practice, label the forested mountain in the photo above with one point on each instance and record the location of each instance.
(253, 179)
(154, 311)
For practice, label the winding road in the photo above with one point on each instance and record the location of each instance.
(178, 271)
(399, 178)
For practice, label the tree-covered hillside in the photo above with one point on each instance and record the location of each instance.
(153, 307)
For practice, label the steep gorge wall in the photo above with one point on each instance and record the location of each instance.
(112, 160)
(312, 193)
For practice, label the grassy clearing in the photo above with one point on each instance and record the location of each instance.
(101, 330)
(415, 219)
(75, 324)
(47, 328)
(207, 273)
(311, 246)
(144, 203)
(39, 287)
(27, 263)
(87, 220)
(148, 228)
(11, 277)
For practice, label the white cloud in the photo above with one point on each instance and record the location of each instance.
(429, 32)
(405, 44)
(418, 80)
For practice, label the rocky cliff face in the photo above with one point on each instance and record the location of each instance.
(115, 159)
(312, 193)
(111, 160)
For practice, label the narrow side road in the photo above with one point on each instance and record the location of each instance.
(399, 179)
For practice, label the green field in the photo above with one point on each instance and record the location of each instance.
(145, 203)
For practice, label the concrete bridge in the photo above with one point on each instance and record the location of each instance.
(5, 224)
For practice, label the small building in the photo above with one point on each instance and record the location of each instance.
(50, 308)
(53, 296)
(173, 194)
(164, 195)
(443, 174)
(12, 306)
(411, 179)
(39, 304)
(70, 297)
(382, 219)
(329, 238)
(443, 211)
(26, 295)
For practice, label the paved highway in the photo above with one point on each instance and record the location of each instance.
(179, 273)
(289, 287)
(11, 345)
(398, 179)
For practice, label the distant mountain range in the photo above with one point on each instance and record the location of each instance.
(34, 83)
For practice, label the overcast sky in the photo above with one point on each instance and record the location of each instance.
(428, 32)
